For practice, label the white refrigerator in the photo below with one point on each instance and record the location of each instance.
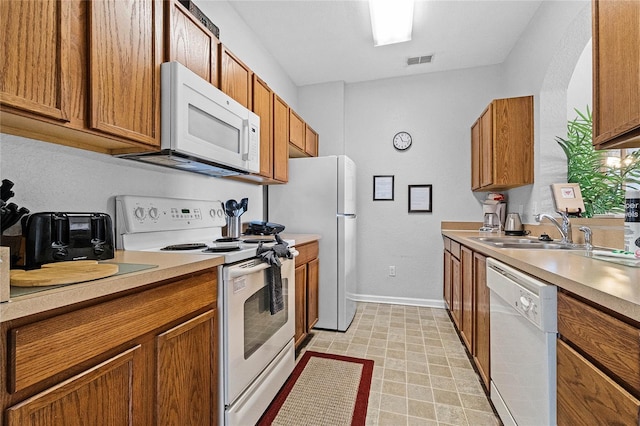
(320, 198)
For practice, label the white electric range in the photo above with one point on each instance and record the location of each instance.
(256, 342)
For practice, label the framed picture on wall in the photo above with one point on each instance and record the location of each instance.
(383, 188)
(420, 199)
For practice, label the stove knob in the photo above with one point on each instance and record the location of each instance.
(153, 213)
(139, 213)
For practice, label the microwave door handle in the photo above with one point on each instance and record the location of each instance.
(245, 133)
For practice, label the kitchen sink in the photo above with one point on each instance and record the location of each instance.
(527, 243)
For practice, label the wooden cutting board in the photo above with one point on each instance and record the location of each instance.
(63, 273)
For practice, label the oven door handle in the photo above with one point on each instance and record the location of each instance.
(239, 271)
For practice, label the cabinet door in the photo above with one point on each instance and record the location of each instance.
(486, 147)
(263, 107)
(35, 44)
(311, 142)
(313, 269)
(616, 65)
(296, 130)
(124, 68)
(586, 396)
(280, 140)
(102, 395)
(466, 329)
(301, 304)
(512, 142)
(481, 347)
(456, 292)
(447, 280)
(235, 77)
(186, 373)
(191, 43)
(475, 155)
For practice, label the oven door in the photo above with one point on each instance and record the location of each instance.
(252, 336)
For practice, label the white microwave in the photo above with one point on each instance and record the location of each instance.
(203, 129)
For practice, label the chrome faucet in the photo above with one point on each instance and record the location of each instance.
(587, 237)
(565, 228)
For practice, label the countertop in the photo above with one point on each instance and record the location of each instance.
(613, 286)
(164, 266)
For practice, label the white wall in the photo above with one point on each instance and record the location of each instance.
(322, 106)
(438, 109)
(542, 63)
(52, 177)
(580, 90)
(243, 42)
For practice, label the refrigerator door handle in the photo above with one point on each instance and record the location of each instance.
(348, 215)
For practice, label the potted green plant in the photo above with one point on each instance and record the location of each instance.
(602, 184)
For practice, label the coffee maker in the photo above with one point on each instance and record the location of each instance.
(494, 211)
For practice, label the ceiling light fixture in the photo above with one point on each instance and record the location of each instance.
(391, 21)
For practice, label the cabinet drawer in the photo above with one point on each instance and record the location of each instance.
(308, 252)
(455, 249)
(48, 347)
(586, 396)
(609, 341)
(447, 243)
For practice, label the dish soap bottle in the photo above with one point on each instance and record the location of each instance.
(632, 221)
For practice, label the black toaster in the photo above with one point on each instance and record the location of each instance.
(57, 236)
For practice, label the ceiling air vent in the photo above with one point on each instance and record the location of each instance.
(420, 60)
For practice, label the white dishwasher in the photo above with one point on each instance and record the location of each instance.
(523, 346)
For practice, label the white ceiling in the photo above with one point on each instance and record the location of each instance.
(319, 41)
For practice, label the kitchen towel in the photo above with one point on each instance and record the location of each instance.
(271, 255)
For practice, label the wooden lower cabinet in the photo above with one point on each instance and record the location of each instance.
(186, 367)
(481, 326)
(307, 274)
(598, 365)
(147, 357)
(587, 396)
(301, 304)
(104, 394)
(456, 292)
(466, 297)
(447, 280)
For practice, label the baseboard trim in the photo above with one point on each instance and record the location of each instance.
(427, 303)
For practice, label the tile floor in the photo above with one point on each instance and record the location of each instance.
(422, 375)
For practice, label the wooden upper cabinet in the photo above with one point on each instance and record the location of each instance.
(235, 77)
(280, 140)
(125, 44)
(35, 43)
(505, 145)
(311, 141)
(616, 74)
(296, 130)
(189, 42)
(475, 155)
(263, 107)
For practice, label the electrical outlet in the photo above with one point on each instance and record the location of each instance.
(392, 271)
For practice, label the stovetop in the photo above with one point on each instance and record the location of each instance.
(194, 226)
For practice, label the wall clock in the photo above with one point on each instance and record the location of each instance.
(402, 141)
